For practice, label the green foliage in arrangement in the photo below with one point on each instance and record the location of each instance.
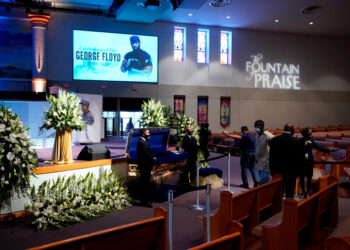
(181, 122)
(68, 201)
(17, 158)
(153, 115)
(64, 113)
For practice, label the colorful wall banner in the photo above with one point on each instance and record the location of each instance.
(179, 104)
(202, 110)
(225, 111)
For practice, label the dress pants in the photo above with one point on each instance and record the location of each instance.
(145, 184)
(288, 181)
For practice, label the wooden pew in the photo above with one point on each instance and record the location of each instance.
(228, 242)
(303, 215)
(233, 240)
(147, 234)
(338, 243)
(245, 208)
(340, 238)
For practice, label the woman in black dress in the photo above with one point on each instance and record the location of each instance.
(308, 162)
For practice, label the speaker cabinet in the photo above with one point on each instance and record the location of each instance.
(94, 152)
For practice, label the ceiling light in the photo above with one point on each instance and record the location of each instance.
(189, 14)
(149, 4)
(276, 20)
(311, 10)
(228, 17)
(311, 23)
(219, 3)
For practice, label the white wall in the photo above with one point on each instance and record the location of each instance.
(323, 60)
(324, 97)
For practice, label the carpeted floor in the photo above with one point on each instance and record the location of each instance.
(188, 231)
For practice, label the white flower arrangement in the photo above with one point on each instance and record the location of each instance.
(64, 113)
(153, 114)
(72, 200)
(17, 158)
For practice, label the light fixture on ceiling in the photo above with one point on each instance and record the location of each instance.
(219, 3)
(189, 14)
(228, 17)
(277, 20)
(149, 4)
(311, 10)
(311, 23)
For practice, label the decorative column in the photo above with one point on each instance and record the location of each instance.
(39, 28)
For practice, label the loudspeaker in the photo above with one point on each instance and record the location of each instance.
(94, 152)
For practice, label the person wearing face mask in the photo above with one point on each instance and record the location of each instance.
(145, 162)
(247, 146)
(263, 138)
(308, 160)
(286, 154)
(189, 144)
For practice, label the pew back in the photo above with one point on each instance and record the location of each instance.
(302, 215)
(147, 234)
(229, 242)
(245, 208)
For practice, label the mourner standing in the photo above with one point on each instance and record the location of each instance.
(190, 146)
(286, 157)
(247, 162)
(263, 138)
(308, 160)
(145, 162)
(204, 137)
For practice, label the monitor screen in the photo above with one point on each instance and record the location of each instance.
(114, 57)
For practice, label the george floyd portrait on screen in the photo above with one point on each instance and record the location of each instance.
(115, 57)
(91, 107)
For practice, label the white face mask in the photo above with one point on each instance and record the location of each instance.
(257, 130)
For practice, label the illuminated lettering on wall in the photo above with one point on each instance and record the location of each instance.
(272, 75)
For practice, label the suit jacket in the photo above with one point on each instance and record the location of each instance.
(286, 154)
(189, 144)
(145, 157)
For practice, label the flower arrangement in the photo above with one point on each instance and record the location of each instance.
(64, 113)
(181, 122)
(17, 158)
(153, 114)
(68, 201)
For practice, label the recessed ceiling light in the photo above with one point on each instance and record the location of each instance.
(311, 23)
(276, 20)
(311, 10)
(228, 17)
(189, 14)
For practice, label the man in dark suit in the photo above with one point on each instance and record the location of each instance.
(190, 146)
(145, 162)
(285, 158)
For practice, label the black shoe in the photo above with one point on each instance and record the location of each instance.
(256, 184)
(146, 204)
(244, 186)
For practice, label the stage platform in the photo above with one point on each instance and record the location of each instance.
(115, 144)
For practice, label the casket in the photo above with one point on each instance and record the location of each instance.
(166, 160)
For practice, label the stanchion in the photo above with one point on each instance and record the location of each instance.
(207, 192)
(229, 172)
(170, 219)
(197, 206)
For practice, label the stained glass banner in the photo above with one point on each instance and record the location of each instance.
(202, 110)
(225, 111)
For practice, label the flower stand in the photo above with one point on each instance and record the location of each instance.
(62, 152)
